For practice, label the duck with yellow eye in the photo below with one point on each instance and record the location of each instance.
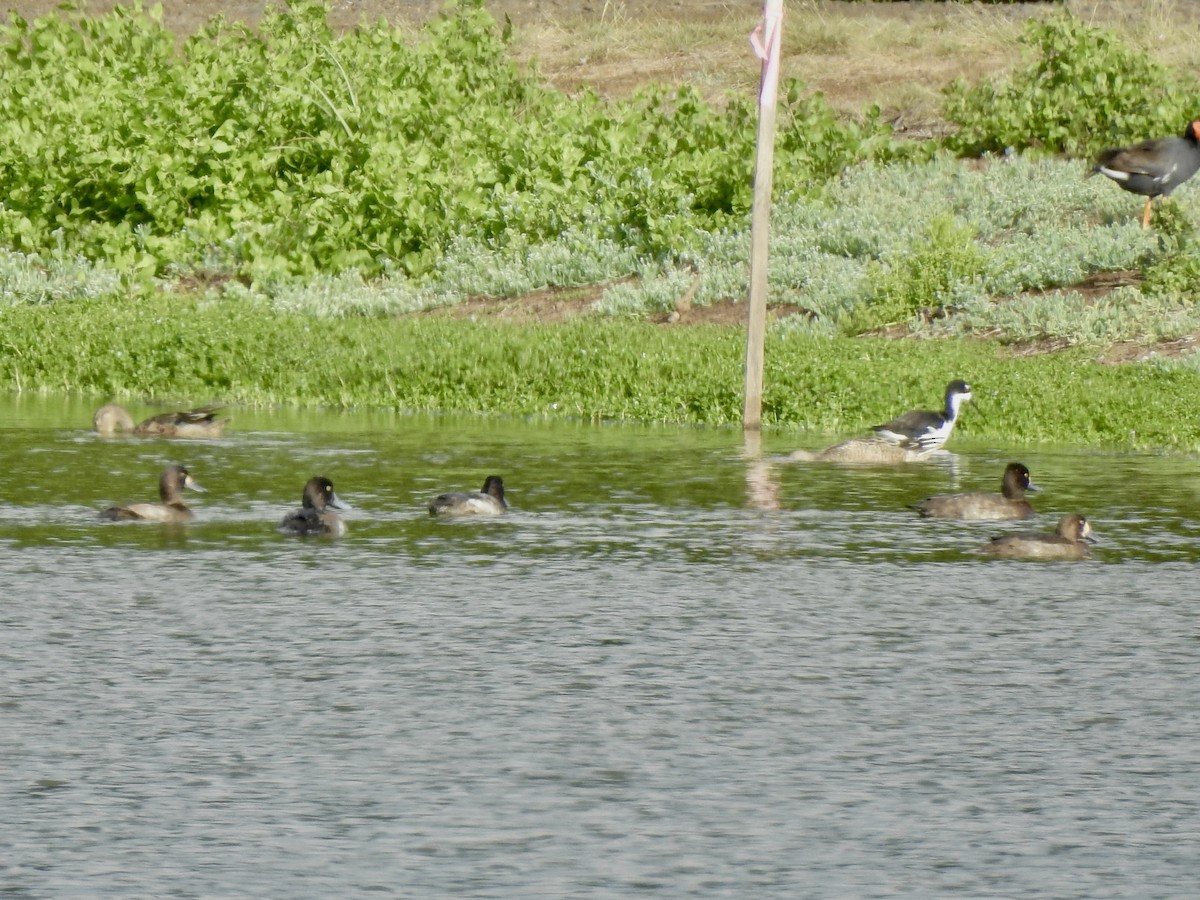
(201, 422)
(316, 515)
(171, 508)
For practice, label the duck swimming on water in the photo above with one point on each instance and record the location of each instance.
(201, 422)
(1067, 542)
(867, 451)
(316, 515)
(172, 509)
(487, 502)
(1010, 503)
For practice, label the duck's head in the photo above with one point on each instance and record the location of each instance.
(173, 480)
(1017, 479)
(318, 494)
(1075, 527)
(493, 486)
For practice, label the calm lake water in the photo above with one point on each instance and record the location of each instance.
(667, 672)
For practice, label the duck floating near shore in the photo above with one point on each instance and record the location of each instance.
(316, 515)
(864, 451)
(201, 422)
(1067, 542)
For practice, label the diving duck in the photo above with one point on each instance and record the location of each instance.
(172, 509)
(981, 506)
(487, 502)
(201, 422)
(1067, 542)
(316, 515)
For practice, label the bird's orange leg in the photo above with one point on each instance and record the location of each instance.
(1146, 215)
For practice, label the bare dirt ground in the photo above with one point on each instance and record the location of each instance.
(614, 46)
(856, 52)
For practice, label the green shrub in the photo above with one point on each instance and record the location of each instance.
(1085, 90)
(1175, 272)
(921, 281)
(293, 150)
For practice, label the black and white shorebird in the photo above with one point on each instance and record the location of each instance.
(924, 429)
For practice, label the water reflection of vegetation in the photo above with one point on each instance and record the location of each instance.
(580, 494)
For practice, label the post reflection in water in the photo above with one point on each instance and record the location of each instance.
(762, 486)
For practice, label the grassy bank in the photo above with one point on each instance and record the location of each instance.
(599, 369)
(241, 217)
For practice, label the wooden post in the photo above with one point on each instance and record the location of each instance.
(765, 41)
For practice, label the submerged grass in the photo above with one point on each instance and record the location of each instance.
(598, 369)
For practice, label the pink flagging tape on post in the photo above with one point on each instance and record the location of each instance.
(769, 25)
(765, 40)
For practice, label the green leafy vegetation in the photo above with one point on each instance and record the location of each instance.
(1086, 89)
(293, 150)
(253, 216)
(923, 281)
(944, 247)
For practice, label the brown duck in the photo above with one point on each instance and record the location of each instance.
(1067, 542)
(316, 515)
(201, 422)
(979, 506)
(172, 509)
